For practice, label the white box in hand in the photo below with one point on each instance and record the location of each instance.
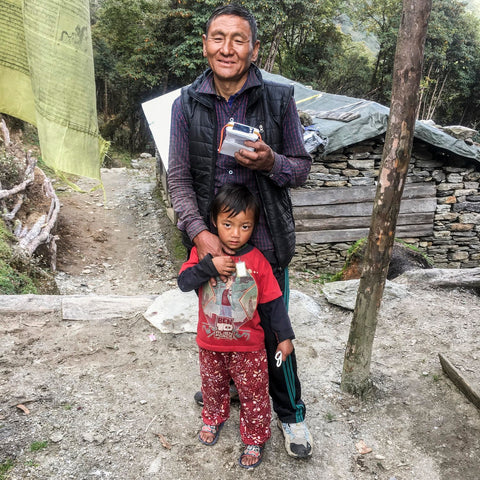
(235, 136)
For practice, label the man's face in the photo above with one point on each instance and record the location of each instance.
(228, 47)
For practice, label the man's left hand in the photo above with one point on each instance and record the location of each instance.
(261, 158)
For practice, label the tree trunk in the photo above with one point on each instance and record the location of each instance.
(272, 54)
(423, 96)
(105, 99)
(439, 96)
(393, 171)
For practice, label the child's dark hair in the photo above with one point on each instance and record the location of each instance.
(233, 198)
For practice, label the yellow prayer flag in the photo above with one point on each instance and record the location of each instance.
(47, 79)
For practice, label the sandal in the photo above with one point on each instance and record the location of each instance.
(252, 451)
(214, 430)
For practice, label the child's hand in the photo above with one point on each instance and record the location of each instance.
(225, 265)
(286, 347)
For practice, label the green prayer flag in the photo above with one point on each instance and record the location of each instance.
(47, 79)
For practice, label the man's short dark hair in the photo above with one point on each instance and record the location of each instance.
(238, 11)
(233, 198)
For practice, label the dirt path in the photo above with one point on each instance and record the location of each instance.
(106, 400)
(117, 243)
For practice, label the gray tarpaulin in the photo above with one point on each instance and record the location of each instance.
(346, 120)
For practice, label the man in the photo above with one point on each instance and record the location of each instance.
(232, 89)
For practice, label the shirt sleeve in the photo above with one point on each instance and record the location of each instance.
(194, 274)
(291, 168)
(180, 182)
(271, 303)
(279, 319)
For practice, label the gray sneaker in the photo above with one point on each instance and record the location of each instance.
(298, 440)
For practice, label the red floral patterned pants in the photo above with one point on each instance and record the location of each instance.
(249, 371)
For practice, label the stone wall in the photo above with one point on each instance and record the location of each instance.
(455, 242)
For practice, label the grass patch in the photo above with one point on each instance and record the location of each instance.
(174, 237)
(13, 282)
(5, 467)
(117, 157)
(329, 417)
(36, 446)
(319, 278)
(179, 250)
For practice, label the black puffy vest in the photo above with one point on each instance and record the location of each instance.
(266, 109)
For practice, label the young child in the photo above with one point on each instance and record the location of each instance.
(229, 335)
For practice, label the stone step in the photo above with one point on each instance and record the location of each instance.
(77, 307)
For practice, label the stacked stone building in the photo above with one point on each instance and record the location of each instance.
(452, 240)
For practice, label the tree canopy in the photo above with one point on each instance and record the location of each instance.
(144, 48)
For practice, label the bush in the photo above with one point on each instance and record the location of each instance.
(13, 280)
(10, 171)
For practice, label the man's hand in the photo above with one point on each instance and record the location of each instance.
(286, 347)
(225, 265)
(207, 242)
(261, 158)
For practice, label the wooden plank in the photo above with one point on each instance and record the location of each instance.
(462, 384)
(419, 190)
(354, 234)
(341, 223)
(30, 303)
(360, 194)
(104, 307)
(330, 196)
(361, 209)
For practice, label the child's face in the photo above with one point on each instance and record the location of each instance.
(234, 232)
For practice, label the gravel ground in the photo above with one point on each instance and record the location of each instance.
(114, 399)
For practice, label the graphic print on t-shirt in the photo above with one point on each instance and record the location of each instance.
(229, 306)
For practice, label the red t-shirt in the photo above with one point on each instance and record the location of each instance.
(228, 318)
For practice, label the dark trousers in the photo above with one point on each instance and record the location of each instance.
(284, 385)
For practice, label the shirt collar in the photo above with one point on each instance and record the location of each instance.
(207, 86)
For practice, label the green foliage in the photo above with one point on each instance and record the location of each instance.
(329, 417)
(380, 18)
(13, 280)
(144, 48)
(117, 157)
(450, 92)
(6, 237)
(10, 171)
(36, 446)
(452, 65)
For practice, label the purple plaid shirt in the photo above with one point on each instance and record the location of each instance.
(290, 169)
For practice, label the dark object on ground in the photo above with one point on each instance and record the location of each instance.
(404, 258)
(198, 397)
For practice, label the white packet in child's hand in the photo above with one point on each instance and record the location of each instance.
(241, 269)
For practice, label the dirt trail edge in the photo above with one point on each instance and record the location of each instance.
(113, 399)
